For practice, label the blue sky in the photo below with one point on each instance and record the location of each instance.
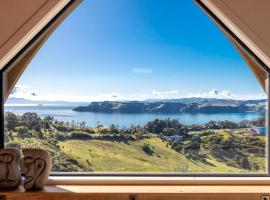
(137, 49)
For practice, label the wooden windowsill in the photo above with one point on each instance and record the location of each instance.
(161, 181)
(108, 189)
(108, 192)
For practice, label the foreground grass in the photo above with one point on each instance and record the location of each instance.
(109, 156)
(151, 154)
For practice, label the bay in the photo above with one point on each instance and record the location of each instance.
(66, 114)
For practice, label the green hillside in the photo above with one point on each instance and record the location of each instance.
(108, 156)
(160, 146)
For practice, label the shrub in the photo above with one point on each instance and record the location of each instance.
(89, 130)
(80, 135)
(60, 136)
(193, 146)
(11, 120)
(169, 131)
(37, 134)
(23, 132)
(32, 121)
(148, 149)
(244, 163)
(104, 131)
(72, 161)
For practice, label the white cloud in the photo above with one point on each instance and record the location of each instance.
(21, 91)
(161, 93)
(214, 94)
(29, 93)
(225, 94)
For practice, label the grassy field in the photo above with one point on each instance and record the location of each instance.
(161, 146)
(108, 156)
(99, 155)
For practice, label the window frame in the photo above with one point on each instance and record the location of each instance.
(143, 176)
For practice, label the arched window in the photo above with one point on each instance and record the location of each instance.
(141, 87)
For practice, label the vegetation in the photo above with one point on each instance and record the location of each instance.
(183, 105)
(159, 146)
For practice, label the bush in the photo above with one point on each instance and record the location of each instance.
(148, 149)
(89, 130)
(23, 132)
(60, 136)
(169, 131)
(244, 163)
(80, 135)
(72, 161)
(11, 120)
(32, 121)
(177, 146)
(104, 131)
(37, 134)
(193, 146)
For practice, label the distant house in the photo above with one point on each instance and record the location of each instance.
(258, 130)
(176, 138)
(196, 138)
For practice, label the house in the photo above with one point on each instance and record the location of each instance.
(258, 130)
(196, 138)
(176, 138)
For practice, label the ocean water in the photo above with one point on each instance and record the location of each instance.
(66, 114)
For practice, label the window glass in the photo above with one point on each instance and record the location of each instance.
(140, 86)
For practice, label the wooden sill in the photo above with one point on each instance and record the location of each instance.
(108, 192)
(162, 181)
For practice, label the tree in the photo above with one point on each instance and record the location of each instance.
(99, 127)
(23, 132)
(155, 126)
(47, 122)
(37, 134)
(195, 127)
(226, 124)
(259, 122)
(169, 131)
(211, 125)
(104, 131)
(82, 125)
(11, 121)
(32, 121)
(113, 129)
(245, 124)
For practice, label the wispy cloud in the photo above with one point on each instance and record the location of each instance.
(29, 93)
(225, 94)
(214, 93)
(157, 94)
(21, 91)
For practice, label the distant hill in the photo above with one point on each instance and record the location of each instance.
(21, 101)
(183, 105)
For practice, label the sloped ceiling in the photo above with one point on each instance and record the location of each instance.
(248, 20)
(20, 22)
